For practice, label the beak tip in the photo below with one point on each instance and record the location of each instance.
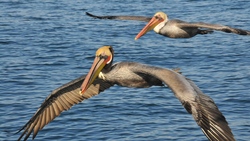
(136, 38)
(81, 92)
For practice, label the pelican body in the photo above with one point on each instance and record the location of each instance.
(174, 28)
(103, 74)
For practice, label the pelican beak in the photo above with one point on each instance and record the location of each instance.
(151, 25)
(97, 66)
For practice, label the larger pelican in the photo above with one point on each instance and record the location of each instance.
(103, 75)
(174, 28)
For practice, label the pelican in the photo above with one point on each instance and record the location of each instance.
(103, 75)
(174, 28)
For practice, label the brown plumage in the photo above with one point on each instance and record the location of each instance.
(174, 28)
(103, 75)
(61, 99)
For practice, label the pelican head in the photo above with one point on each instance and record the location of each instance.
(103, 60)
(156, 23)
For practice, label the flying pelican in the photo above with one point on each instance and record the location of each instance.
(103, 75)
(174, 28)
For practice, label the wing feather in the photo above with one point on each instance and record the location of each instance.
(202, 107)
(43, 121)
(134, 18)
(64, 103)
(37, 127)
(208, 117)
(48, 119)
(59, 105)
(72, 101)
(61, 99)
(52, 111)
(56, 108)
(218, 27)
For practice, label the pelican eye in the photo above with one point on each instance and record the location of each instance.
(158, 17)
(103, 57)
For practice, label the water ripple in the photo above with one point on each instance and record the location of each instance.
(46, 44)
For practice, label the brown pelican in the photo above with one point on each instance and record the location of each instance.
(103, 75)
(174, 28)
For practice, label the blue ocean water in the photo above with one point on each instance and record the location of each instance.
(44, 44)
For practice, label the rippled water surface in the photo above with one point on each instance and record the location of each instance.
(44, 44)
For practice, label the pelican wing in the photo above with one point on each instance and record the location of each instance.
(203, 109)
(218, 27)
(135, 18)
(208, 117)
(61, 99)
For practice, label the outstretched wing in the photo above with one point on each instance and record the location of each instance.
(135, 18)
(207, 115)
(61, 99)
(223, 28)
(202, 107)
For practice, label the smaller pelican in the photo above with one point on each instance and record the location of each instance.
(174, 28)
(103, 75)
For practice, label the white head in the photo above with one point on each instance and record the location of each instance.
(156, 23)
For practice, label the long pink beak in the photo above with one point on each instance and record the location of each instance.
(96, 68)
(151, 25)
